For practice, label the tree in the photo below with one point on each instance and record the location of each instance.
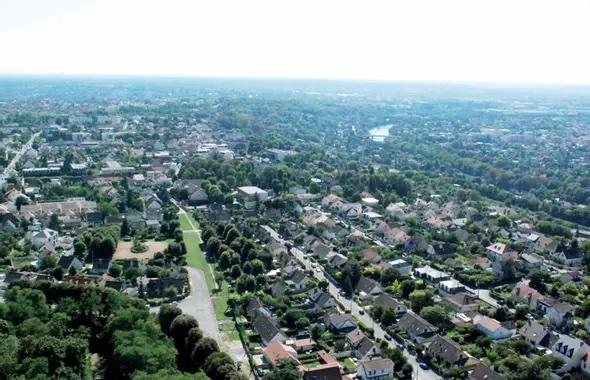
(202, 350)
(284, 369)
(419, 299)
(54, 222)
(125, 230)
(435, 314)
(79, 249)
(503, 221)
(115, 270)
(180, 327)
(219, 366)
(388, 317)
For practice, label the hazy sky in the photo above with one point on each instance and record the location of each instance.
(470, 40)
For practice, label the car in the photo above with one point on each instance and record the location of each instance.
(343, 294)
(399, 345)
(423, 365)
(501, 302)
(361, 312)
(387, 336)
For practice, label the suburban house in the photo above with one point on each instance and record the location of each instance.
(70, 261)
(401, 266)
(340, 323)
(495, 251)
(523, 293)
(251, 195)
(386, 301)
(368, 288)
(375, 369)
(302, 345)
(535, 333)
(461, 302)
(430, 274)
(361, 346)
(45, 237)
(267, 329)
(568, 255)
(444, 351)
(416, 327)
(560, 314)
(450, 287)
(351, 210)
(569, 349)
(275, 351)
(491, 327)
(483, 372)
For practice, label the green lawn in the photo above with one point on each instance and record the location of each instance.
(184, 221)
(194, 256)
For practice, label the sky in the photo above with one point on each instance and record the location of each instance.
(521, 41)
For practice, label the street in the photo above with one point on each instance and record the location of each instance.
(24, 149)
(351, 306)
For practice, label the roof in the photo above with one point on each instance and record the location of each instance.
(337, 320)
(414, 324)
(265, 327)
(376, 364)
(488, 323)
(498, 248)
(482, 372)
(355, 336)
(251, 190)
(386, 301)
(329, 371)
(276, 351)
(367, 285)
(444, 348)
(534, 332)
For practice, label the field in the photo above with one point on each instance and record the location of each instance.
(124, 250)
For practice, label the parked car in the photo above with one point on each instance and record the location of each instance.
(387, 336)
(361, 312)
(423, 365)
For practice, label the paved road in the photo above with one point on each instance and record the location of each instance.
(351, 306)
(24, 149)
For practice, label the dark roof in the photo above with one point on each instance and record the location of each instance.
(534, 332)
(415, 325)
(445, 349)
(366, 285)
(386, 301)
(330, 371)
(66, 261)
(265, 326)
(482, 372)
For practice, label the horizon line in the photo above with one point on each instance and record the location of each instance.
(287, 78)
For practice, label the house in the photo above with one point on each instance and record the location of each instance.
(45, 237)
(495, 251)
(276, 350)
(445, 351)
(535, 333)
(416, 327)
(337, 260)
(388, 302)
(568, 255)
(340, 323)
(361, 346)
(278, 289)
(560, 314)
(430, 274)
(523, 293)
(368, 288)
(483, 372)
(266, 328)
(251, 195)
(70, 261)
(461, 302)
(491, 327)
(198, 196)
(302, 345)
(328, 371)
(372, 256)
(375, 369)
(401, 266)
(298, 279)
(351, 210)
(530, 261)
(100, 266)
(569, 349)
(450, 287)
(324, 301)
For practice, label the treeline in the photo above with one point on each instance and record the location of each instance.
(50, 331)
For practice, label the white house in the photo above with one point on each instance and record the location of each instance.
(375, 369)
(44, 237)
(491, 327)
(569, 349)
